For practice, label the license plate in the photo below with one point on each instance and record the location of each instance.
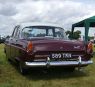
(61, 55)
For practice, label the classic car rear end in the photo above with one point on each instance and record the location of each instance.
(46, 45)
(58, 53)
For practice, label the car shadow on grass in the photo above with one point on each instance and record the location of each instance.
(54, 74)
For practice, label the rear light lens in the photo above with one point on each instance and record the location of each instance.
(29, 46)
(90, 47)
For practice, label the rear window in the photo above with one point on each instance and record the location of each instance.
(43, 31)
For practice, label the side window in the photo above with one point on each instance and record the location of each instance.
(16, 32)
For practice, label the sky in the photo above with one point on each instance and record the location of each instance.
(64, 12)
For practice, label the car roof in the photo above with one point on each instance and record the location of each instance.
(39, 24)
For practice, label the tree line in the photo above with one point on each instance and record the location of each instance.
(77, 35)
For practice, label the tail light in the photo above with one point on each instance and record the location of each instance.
(29, 46)
(90, 47)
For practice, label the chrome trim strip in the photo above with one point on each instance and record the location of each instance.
(39, 60)
(57, 63)
(77, 55)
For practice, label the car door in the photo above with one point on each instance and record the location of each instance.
(7, 48)
(13, 43)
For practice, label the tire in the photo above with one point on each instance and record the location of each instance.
(22, 70)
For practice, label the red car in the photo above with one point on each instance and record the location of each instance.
(45, 45)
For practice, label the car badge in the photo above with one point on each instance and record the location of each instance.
(77, 47)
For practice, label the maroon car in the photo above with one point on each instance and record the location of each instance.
(45, 45)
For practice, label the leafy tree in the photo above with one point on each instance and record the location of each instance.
(76, 34)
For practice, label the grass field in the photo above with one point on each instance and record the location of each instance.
(10, 77)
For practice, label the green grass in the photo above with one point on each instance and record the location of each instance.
(10, 77)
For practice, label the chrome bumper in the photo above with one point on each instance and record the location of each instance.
(58, 63)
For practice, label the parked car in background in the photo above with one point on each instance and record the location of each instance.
(2, 40)
(45, 45)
